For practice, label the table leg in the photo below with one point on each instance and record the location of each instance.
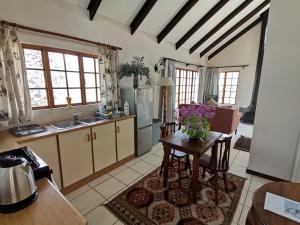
(195, 176)
(166, 165)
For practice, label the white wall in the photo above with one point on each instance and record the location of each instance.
(277, 120)
(243, 51)
(67, 18)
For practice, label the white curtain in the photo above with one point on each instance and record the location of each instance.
(15, 103)
(211, 83)
(201, 84)
(109, 83)
(170, 71)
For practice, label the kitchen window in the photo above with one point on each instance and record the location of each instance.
(186, 86)
(54, 74)
(228, 83)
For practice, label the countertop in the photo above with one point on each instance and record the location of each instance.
(9, 141)
(50, 208)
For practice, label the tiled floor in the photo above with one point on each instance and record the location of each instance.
(90, 198)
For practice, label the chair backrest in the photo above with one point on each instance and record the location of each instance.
(168, 129)
(221, 154)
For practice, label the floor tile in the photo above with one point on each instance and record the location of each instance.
(127, 176)
(238, 170)
(257, 182)
(159, 153)
(244, 154)
(109, 187)
(243, 196)
(241, 161)
(87, 201)
(142, 167)
(248, 201)
(117, 170)
(237, 213)
(132, 162)
(100, 215)
(99, 180)
(153, 160)
(243, 217)
(77, 192)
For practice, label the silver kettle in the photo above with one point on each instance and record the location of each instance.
(17, 184)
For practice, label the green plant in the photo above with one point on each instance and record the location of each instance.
(135, 68)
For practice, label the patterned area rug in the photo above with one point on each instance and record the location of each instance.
(243, 143)
(148, 203)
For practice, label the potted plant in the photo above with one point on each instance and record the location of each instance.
(3, 118)
(137, 69)
(196, 120)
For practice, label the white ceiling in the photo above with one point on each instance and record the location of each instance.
(124, 11)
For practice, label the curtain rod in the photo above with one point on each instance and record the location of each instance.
(228, 66)
(186, 63)
(6, 23)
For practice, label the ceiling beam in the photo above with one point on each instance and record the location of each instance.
(235, 38)
(144, 11)
(235, 27)
(93, 7)
(220, 25)
(182, 12)
(201, 22)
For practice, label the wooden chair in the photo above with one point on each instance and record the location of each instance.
(182, 159)
(217, 163)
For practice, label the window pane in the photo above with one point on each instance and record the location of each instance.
(90, 94)
(226, 100)
(232, 101)
(38, 97)
(98, 94)
(234, 81)
(98, 79)
(229, 75)
(36, 78)
(235, 75)
(33, 58)
(221, 81)
(73, 79)
(222, 75)
(97, 65)
(228, 82)
(89, 79)
(227, 88)
(227, 94)
(88, 64)
(60, 96)
(233, 94)
(75, 94)
(233, 88)
(56, 61)
(58, 79)
(71, 62)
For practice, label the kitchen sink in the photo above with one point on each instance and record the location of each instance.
(66, 124)
(90, 119)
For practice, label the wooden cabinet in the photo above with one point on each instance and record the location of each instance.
(76, 155)
(125, 138)
(46, 148)
(104, 145)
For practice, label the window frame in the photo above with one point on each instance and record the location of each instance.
(194, 74)
(47, 74)
(224, 85)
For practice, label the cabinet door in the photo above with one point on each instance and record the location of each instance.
(46, 148)
(125, 138)
(76, 155)
(104, 145)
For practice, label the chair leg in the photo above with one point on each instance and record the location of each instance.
(225, 181)
(216, 188)
(178, 169)
(188, 163)
(203, 173)
(161, 168)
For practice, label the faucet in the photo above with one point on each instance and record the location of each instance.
(76, 116)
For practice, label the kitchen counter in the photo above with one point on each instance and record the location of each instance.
(50, 208)
(9, 141)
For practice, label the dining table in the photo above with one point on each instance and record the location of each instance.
(195, 147)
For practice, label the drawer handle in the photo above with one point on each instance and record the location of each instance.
(118, 129)
(95, 137)
(89, 137)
